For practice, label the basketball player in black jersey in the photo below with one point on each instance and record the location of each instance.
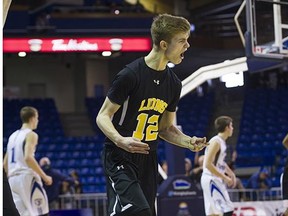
(139, 108)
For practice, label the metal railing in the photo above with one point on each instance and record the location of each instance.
(98, 201)
(242, 195)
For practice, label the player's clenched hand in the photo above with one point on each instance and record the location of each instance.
(48, 180)
(229, 181)
(197, 144)
(133, 145)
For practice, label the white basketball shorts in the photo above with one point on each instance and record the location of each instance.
(29, 195)
(216, 197)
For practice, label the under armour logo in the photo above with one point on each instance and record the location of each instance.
(120, 167)
(156, 81)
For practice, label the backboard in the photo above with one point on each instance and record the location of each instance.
(267, 29)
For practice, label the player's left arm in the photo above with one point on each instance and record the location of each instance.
(231, 174)
(169, 132)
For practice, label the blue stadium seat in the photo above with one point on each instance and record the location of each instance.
(84, 171)
(72, 163)
(99, 171)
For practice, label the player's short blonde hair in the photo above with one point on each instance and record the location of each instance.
(26, 113)
(165, 26)
(222, 122)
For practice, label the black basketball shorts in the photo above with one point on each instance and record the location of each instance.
(131, 180)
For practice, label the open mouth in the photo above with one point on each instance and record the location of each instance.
(182, 55)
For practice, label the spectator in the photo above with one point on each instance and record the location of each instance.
(196, 172)
(67, 190)
(188, 166)
(53, 191)
(259, 180)
(231, 164)
(239, 184)
(164, 169)
(77, 187)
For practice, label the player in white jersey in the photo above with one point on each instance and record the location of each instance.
(284, 182)
(216, 173)
(22, 169)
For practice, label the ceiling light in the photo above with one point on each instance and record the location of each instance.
(106, 53)
(22, 54)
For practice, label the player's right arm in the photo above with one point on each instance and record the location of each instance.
(285, 141)
(30, 146)
(213, 149)
(6, 5)
(5, 163)
(104, 122)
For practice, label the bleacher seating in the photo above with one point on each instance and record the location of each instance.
(80, 154)
(93, 106)
(263, 127)
(49, 121)
(193, 115)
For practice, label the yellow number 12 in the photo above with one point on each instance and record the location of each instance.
(151, 130)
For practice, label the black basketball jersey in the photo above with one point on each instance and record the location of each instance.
(144, 94)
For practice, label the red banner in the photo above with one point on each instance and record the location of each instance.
(259, 208)
(12, 45)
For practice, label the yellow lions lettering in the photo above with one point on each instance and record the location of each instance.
(153, 104)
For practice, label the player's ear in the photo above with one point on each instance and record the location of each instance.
(163, 45)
